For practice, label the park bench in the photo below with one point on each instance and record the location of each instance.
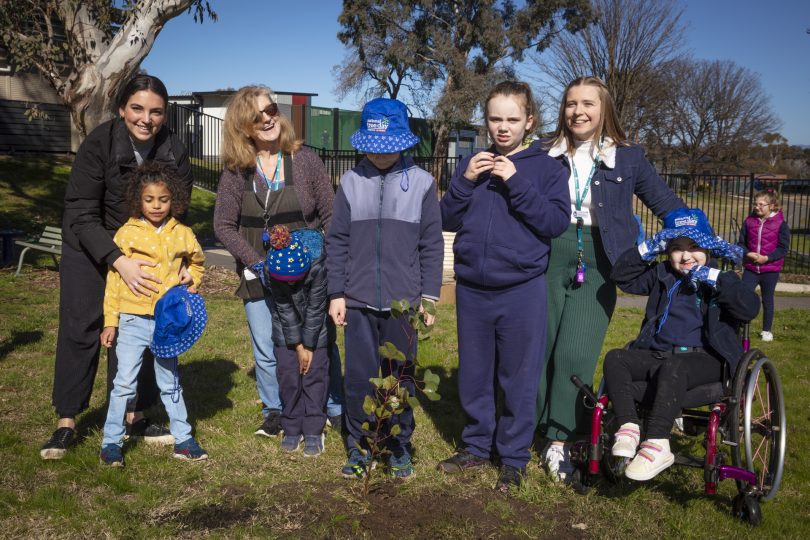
(49, 242)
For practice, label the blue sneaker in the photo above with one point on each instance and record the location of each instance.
(111, 455)
(189, 450)
(291, 443)
(357, 465)
(401, 466)
(313, 445)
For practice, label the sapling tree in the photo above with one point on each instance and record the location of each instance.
(392, 396)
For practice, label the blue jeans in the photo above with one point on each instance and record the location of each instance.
(134, 334)
(260, 325)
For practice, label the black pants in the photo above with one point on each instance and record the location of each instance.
(767, 288)
(303, 395)
(81, 318)
(672, 374)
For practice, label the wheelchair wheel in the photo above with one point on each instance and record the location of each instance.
(746, 508)
(761, 431)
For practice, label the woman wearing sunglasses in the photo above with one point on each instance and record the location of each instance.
(268, 179)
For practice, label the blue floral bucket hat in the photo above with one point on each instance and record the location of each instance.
(292, 253)
(693, 224)
(383, 128)
(180, 318)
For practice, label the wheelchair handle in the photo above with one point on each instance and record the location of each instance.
(584, 389)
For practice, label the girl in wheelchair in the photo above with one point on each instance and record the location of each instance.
(688, 337)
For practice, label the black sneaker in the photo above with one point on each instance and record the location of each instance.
(335, 423)
(462, 461)
(58, 444)
(508, 478)
(271, 425)
(149, 432)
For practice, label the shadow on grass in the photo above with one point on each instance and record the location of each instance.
(446, 413)
(27, 176)
(18, 339)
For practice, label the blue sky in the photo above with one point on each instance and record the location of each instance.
(293, 46)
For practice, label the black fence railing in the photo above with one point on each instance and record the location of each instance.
(727, 201)
(202, 135)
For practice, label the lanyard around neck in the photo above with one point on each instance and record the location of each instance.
(275, 184)
(580, 197)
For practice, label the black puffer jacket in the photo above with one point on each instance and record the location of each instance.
(724, 307)
(95, 200)
(300, 309)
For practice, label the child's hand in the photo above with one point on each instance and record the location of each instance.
(503, 168)
(480, 162)
(304, 358)
(107, 336)
(185, 277)
(429, 319)
(337, 310)
(136, 279)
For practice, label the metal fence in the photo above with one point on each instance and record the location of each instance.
(727, 201)
(202, 135)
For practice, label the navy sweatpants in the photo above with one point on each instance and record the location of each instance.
(303, 395)
(366, 330)
(501, 340)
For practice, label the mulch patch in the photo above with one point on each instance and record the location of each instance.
(338, 510)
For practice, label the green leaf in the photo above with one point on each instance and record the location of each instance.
(400, 307)
(431, 379)
(429, 307)
(395, 430)
(413, 402)
(365, 427)
(389, 350)
(369, 405)
(376, 381)
(432, 395)
(390, 382)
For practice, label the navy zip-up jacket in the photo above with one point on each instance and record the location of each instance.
(723, 307)
(622, 173)
(385, 240)
(504, 229)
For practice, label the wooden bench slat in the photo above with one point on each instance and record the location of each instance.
(57, 230)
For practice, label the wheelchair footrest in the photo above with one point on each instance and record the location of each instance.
(689, 461)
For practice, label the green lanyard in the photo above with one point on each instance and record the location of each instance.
(580, 197)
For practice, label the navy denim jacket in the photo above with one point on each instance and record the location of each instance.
(612, 191)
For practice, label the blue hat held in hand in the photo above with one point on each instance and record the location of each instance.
(383, 128)
(693, 224)
(180, 319)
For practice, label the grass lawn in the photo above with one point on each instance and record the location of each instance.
(249, 488)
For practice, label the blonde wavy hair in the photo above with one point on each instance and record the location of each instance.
(609, 124)
(241, 116)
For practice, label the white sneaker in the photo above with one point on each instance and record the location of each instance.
(626, 440)
(766, 336)
(558, 462)
(653, 458)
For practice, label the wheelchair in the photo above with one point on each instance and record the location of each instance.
(746, 413)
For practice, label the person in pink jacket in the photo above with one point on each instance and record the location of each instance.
(765, 236)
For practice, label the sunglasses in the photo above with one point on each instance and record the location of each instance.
(271, 111)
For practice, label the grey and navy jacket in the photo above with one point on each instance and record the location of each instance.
(385, 240)
(723, 307)
(623, 172)
(504, 229)
(299, 314)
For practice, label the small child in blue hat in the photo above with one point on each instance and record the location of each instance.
(295, 274)
(384, 244)
(688, 337)
(169, 322)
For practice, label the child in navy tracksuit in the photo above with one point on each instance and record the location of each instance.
(384, 244)
(688, 337)
(505, 205)
(295, 274)
(765, 236)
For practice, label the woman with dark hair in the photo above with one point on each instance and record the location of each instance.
(269, 179)
(95, 207)
(605, 172)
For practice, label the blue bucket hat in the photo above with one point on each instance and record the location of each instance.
(180, 319)
(693, 224)
(292, 253)
(383, 128)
